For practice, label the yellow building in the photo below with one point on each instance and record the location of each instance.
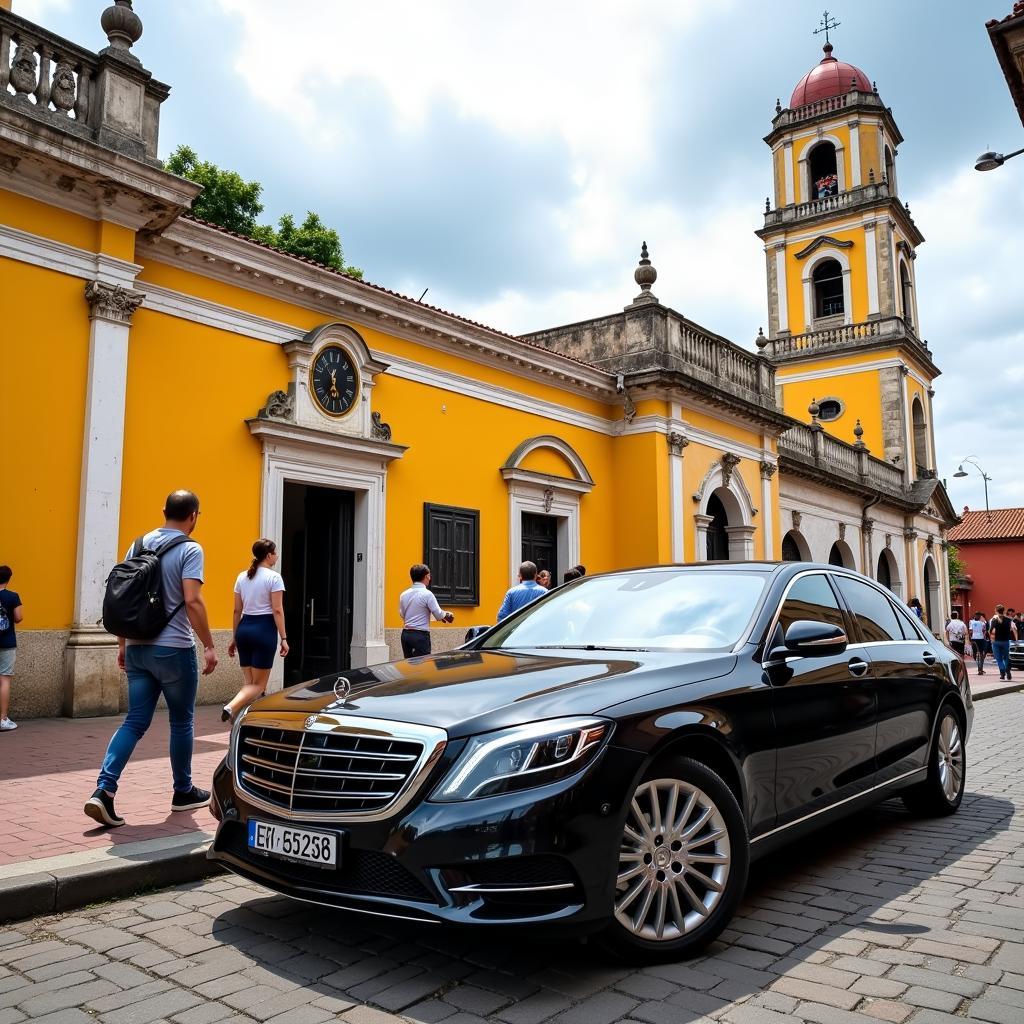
(364, 431)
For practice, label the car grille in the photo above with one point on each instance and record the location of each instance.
(324, 772)
(539, 869)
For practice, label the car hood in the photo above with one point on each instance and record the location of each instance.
(467, 692)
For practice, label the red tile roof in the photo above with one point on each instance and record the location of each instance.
(1000, 524)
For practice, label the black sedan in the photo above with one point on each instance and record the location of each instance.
(609, 758)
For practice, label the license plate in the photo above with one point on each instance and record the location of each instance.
(301, 844)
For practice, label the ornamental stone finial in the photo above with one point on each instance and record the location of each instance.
(813, 409)
(645, 275)
(858, 433)
(123, 28)
(761, 341)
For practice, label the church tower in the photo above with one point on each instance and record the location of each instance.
(840, 247)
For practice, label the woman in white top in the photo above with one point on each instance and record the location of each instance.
(257, 624)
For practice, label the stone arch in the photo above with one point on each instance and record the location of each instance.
(807, 191)
(842, 554)
(920, 428)
(563, 448)
(930, 594)
(727, 487)
(795, 548)
(887, 572)
(820, 256)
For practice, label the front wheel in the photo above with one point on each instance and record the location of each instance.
(682, 864)
(943, 789)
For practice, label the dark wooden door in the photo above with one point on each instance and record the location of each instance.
(318, 557)
(540, 543)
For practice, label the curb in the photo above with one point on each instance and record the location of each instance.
(997, 691)
(93, 879)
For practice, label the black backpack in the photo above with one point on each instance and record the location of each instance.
(133, 604)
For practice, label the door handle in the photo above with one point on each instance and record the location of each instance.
(312, 606)
(928, 658)
(857, 667)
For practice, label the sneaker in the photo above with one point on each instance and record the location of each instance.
(225, 714)
(189, 801)
(100, 807)
(6, 725)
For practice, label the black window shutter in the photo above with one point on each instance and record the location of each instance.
(452, 550)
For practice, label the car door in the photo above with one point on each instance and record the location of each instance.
(904, 666)
(823, 708)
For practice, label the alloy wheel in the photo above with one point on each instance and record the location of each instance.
(674, 860)
(951, 758)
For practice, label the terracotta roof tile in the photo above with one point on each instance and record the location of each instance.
(1001, 524)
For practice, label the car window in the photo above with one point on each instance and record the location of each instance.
(872, 609)
(911, 628)
(811, 597)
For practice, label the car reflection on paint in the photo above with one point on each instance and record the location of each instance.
(609, 759)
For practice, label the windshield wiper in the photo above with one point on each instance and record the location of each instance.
(583, 647)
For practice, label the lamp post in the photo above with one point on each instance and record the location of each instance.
(961, 472)
(990, 161)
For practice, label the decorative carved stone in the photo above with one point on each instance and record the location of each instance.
(280, 406)
(867, 525)
(628, 408)
(645, 275)
(677, 442)
(63, 91)
(729, 463)
(23, 69)
(122, 26)
(888, 540)
(930, 542)
(112, 302)
(797, 516)
(378, 428)
(768, 470)
(910, 533)
(549, 499)
(842, 531)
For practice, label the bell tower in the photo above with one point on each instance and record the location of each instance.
(840, 251)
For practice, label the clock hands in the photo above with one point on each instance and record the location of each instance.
(333, 392)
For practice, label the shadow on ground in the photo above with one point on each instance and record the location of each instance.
(876, 880)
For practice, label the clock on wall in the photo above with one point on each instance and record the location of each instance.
(333, 381)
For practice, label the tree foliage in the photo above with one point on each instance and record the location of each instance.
(231, 202)
(957, 566)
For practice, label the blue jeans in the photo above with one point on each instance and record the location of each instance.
(151, 671)
(1001, 651)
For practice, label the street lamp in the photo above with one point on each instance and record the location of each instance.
(961, 472)
(990, 161)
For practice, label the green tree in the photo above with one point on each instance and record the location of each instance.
(232, 202)
(957, 566)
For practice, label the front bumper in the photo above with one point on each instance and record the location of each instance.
(1017, 655)
(546, 855)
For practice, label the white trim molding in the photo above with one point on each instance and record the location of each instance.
(828, 253)
(782, 285)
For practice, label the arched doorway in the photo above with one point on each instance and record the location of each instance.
(887, 572)
(930, 597)
(840, 554)
(794, 548)
(718, 534)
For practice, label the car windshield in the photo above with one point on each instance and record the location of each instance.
(669, 609)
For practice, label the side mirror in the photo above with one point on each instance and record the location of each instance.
(474, 631)
(811, 640)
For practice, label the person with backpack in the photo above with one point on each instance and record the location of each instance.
(11, 612)
(152, 603)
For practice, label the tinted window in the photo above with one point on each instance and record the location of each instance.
(911, 629)
(873, 611)
(811, 598)
(680, 610)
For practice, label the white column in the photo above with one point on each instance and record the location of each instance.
(767, 517)
(855, 154)
(871, 258)
(844, 180)
(676, 443)
(702, 523)
(787, 155)
(781, 285)
(91, 677)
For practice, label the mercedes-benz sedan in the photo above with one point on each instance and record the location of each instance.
(609, 758)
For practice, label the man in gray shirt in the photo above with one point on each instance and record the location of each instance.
(164, 665)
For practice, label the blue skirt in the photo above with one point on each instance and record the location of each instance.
(256, 639)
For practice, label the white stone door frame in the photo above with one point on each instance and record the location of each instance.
(549, 496)
(295, 454)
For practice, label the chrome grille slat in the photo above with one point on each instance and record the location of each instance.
(325, 771)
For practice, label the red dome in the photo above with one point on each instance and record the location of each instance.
(829, 78)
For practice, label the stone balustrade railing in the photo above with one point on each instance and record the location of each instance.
(894, 327)
(812, 444)
(826, 106)
(827, 204)
(107, 96)
(726, 365)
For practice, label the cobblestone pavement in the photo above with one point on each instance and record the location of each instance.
(883, 918)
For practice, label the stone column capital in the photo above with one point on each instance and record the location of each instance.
(768, 469)
(111, 302)
(677, 441)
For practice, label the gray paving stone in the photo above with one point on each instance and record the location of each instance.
(932, 998)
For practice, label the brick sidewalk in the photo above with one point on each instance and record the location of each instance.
(49, 767)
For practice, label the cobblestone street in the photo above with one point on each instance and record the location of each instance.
(881, 918)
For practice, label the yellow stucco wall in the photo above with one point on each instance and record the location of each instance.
(860, 394)
(44, 357)
(795, 269)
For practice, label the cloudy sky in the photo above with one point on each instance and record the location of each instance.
(511, 157)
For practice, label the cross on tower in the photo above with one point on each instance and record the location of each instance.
(827, 24)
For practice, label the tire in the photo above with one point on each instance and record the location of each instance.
(665, 906)
(942, 791)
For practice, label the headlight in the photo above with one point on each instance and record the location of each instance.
(523, 757)
(236, 725)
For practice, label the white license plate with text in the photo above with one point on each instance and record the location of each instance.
(303, 844)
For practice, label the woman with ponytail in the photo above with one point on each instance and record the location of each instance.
(258, 625)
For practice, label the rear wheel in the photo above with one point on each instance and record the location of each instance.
(682, 863)
(943, 790)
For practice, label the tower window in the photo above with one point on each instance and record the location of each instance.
(828, 289)
(823, 172)
(890, 171)
(905, 295)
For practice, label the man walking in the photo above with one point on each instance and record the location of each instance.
(164, 665)
(416, 605)
(1002, 630)
(979, 639)
(956, 633)
(527, 590)
(11, 612)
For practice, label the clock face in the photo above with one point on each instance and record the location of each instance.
(334, 381)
